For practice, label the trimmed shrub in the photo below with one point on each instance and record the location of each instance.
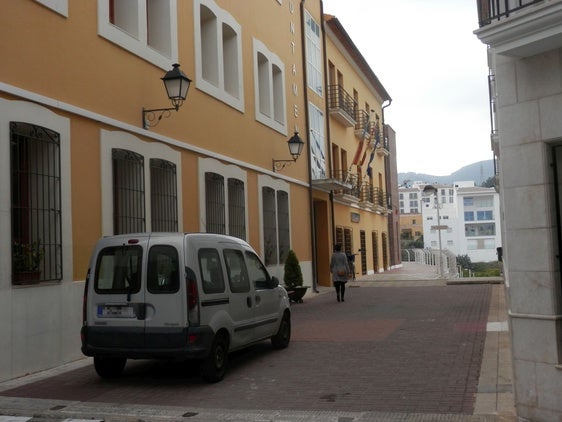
(293, 273)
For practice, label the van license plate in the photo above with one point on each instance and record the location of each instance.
(115, 311)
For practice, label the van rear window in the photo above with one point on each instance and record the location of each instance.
(163, 269)
(118, 270)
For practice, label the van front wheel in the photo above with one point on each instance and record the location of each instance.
(214, 366)
(109, 367)
(283, 337)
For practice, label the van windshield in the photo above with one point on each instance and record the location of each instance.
(118, 270)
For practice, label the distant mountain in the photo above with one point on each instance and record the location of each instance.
(477, 172)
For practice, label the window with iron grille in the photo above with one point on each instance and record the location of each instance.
(339, 236)
(276, 225)
(163, 195)
(269, 226)
(236, 209)
(363, 240)
(347, 240)
(375, 247)
(344, 236)
(35, 203)
(128, 192)
(283, 228)
(215, 203)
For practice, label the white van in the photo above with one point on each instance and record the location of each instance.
(179, 296)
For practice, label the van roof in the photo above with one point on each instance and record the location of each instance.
(191, 235)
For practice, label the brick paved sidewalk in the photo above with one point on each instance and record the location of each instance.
(416, 350)
(424, 352)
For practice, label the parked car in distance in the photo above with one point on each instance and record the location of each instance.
(180, 296)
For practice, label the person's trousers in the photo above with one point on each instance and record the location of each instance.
(340, 288)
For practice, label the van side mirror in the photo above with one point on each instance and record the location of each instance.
(274, 282)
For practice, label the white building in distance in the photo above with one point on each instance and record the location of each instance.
(468, 223)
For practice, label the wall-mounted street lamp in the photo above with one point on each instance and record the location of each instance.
(177, 85)
(295, 148)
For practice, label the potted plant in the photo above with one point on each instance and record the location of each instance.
(293, 278)
(26, 261)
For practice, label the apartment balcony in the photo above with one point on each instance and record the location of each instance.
(362, 119)
(352, 192)
(382, 147)
(520, 28)
(338, 180)
(363, 194)
(342, 105)
(374, 198)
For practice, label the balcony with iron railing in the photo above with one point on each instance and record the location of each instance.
(342, 105)
(362, 192)
(520, 28)
(382, 146)
(336, 180)
(362, 124)
(373, 197)
(492, 10)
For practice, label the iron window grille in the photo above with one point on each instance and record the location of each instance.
(128, 192)
(269, 226)
(35, 202)
(283, 228)
(163, 195)
(236, 209)
(215, 203)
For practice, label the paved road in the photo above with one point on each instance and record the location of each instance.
(410, 353)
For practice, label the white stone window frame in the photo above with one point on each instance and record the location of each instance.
(317, 141)
(314, 57)
(276, 185)
(137, 43)
(227, 171)
(272, 91)
(123, 140)
(23, 111)
(59, 6)
(220, 90)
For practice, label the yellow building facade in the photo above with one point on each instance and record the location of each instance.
(351, 204)
(81, 160)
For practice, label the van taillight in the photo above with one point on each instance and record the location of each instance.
(85, 299)
(191, 294)
(192, 301)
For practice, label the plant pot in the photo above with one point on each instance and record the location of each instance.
(296, 293)
(27, 277)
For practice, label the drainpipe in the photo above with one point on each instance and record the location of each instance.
(308, 134)
(390, 227)
(327, 108)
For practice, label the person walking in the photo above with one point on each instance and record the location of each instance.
(339, 267)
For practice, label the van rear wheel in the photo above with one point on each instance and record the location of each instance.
(109, 367)
(213, 367)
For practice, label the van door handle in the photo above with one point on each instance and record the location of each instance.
(249, 301)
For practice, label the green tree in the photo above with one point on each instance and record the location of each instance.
(464, 261)
(293, 273)
(490, 182)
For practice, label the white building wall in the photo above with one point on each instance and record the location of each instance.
(529, 117)
(526, 61)
(452, 219)
(39, 324)
(487, 244)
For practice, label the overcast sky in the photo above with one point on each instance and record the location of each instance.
(426, 56)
